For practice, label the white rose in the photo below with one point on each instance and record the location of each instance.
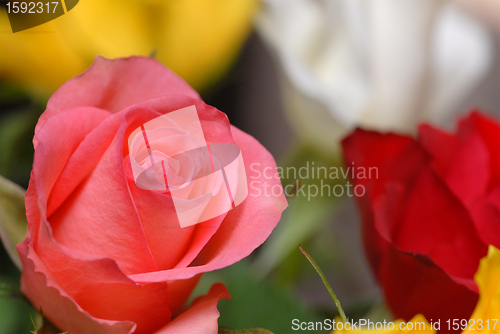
(382, 64)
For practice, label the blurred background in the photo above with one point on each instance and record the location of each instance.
(298, 75)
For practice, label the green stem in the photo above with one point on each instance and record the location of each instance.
(325, 282)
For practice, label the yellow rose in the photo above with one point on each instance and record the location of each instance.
(197, 39)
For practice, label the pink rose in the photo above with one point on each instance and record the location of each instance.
(120, 231)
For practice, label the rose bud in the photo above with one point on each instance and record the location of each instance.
(138, 188)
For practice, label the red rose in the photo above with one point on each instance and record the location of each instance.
(431, 213)
(128, 204)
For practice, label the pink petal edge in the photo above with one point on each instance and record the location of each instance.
(201, 316)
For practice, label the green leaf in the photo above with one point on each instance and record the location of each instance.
(300, 221)
(45, 326)
(245, 331)
(306, 214)
(16, 148)
(10, 291)
(14, 316)
(11, 93)
(255, 303)
(13, 223)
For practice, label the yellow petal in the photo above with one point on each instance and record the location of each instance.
(211, 32)
(38, 59)
(486, 316)
(109, 28)
(198, 39)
